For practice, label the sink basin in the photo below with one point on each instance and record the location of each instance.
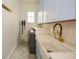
(44, 38)
(41, 33)
(51, 44)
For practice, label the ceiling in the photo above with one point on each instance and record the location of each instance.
(29, 1)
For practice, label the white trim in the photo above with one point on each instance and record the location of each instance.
(12, 51)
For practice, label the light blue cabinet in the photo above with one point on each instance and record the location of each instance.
(38, 54)
(57, 10)
(40, 12)
(49, 7)
(66, 9)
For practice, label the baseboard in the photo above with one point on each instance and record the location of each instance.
(12, 51)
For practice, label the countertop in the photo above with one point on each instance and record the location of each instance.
(64, 51)
(63, 55)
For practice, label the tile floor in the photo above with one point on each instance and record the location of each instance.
(22, 52)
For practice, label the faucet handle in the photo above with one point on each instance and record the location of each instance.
(61, 38)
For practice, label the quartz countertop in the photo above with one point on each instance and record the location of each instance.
(49, 43)
(63, 55)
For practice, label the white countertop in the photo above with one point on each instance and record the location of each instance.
(63, 55)
(64, 51)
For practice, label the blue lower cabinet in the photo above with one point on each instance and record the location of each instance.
(38, 55)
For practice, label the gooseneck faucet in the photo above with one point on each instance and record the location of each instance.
(59, 33)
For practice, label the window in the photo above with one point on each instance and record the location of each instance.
(40, 16)
(30, 17)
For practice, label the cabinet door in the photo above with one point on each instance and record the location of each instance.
(49, 10)
(38, 55)
(58, 10)
(40, 12)
(66, 9)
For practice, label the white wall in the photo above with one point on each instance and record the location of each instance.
(25, 8)
(10, 27)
